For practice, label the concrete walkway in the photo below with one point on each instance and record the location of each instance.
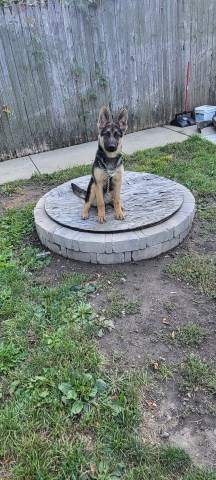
(49, 162)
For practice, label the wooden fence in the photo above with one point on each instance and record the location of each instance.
(59, 63)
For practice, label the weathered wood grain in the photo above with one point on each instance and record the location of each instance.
(60, 63)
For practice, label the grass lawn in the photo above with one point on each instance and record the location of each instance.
(65, 415)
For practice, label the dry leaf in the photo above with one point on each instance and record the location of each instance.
(6, 110)
(113, 397)
(173, 334)
(155, 365)
(7, 460)
(150, 404)
(165, 321)
(92, 467)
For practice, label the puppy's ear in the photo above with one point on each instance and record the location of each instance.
(122, 120)
(104, 118)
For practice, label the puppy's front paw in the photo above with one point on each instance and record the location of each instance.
(119, 214)
(84, 216)
(101, 218)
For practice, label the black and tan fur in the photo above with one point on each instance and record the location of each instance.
(107, 169)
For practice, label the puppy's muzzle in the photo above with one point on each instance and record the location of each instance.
(112, 147)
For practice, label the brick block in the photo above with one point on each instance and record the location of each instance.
(110, 258)
(156, 235)
(184, 234)
(148, 252)
(142, 238)
(53, 247)
(125, 242)
(92, 242)
(179, 223)
(93, 258)
(44, 225)
(63, 251)
(188, 209)
(83, 257)
(128, 257)
(108, 242)
(188, 196)
(40, 204)
(174, 242)
(64, 237)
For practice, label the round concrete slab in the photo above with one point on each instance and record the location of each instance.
(147, 200)
(167, 205)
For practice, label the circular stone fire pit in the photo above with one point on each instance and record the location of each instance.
(158, 216)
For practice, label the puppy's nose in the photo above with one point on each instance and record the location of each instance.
(112, 147)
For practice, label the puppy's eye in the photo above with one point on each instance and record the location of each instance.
(107, 134)
(116, 135)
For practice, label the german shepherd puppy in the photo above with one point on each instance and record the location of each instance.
(107, 169)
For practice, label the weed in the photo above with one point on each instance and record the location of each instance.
(199, 271)
(206, 210)
(196, 473)
(33, 259)
(169, 307)
(197, 375)
(118, 306)
(10, 356)
(103, 470)
(174, 459)
(92, 95)
(103, 81)
(8, 189)
(190, 334)
(164, 372)
(77, 71)
(81, 392)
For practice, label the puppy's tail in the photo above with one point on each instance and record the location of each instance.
(79, 192)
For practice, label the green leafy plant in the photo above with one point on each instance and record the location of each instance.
(103, 470)
(81, 391)
(92, 96)
(164, 372)
(77, 71)
(40, 389)
(83, 312)
(33, 259)
(54, 340)
(103, 81)
(10, 356)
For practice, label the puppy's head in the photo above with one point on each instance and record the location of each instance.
(110, 132)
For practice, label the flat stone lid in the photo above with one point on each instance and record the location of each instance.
(147, 200)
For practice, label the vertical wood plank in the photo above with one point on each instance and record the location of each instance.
(21, 136)
(35, 57)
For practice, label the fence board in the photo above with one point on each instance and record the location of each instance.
(60, 63)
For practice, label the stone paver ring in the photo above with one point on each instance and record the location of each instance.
(158, 216)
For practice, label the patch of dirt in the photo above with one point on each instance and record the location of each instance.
(26, 194)
(184, 419)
